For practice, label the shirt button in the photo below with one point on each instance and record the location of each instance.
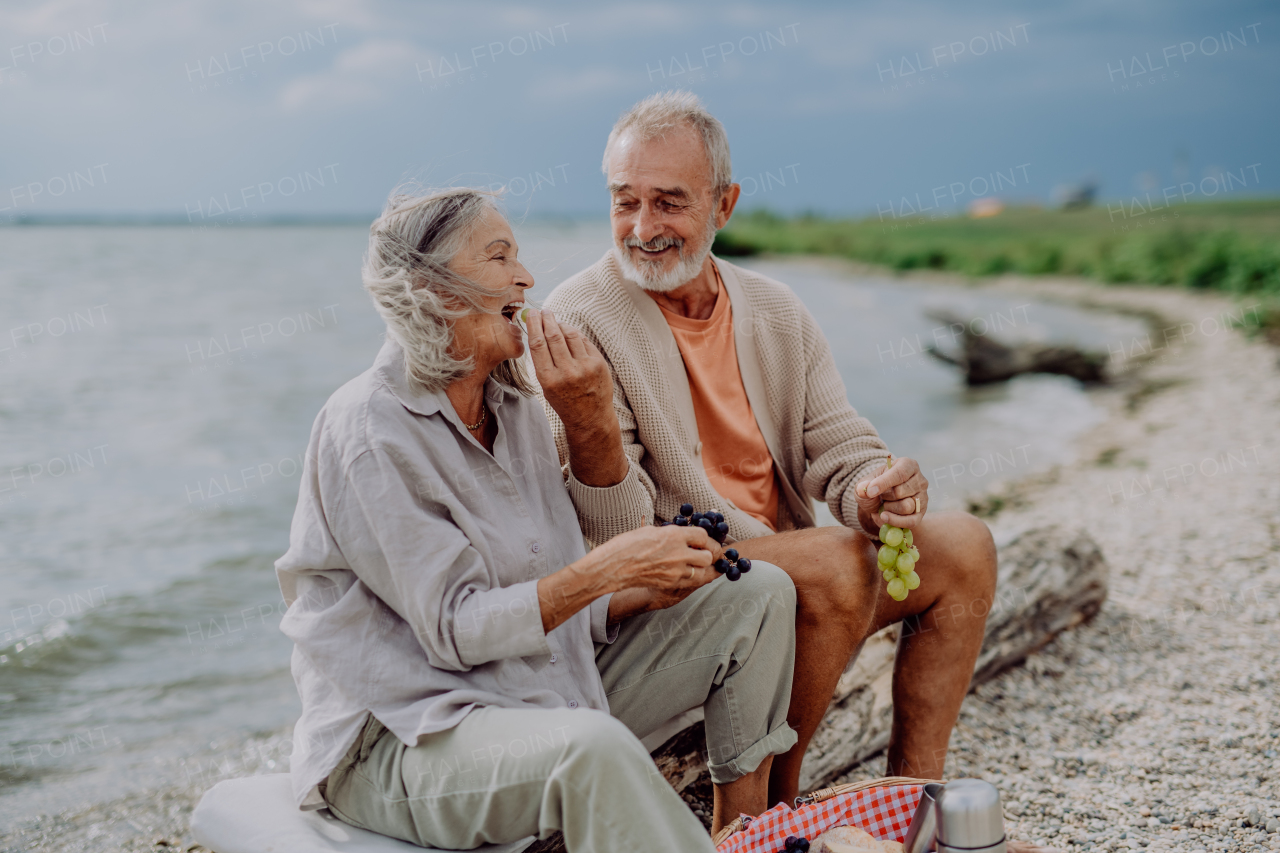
(553, 658)
(573, 703)
(536, 547)
(697, 449)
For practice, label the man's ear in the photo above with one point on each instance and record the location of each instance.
(728, 201)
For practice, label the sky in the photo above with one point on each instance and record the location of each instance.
(237, 112)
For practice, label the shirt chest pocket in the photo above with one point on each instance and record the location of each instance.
(517, 675)
(537, 663)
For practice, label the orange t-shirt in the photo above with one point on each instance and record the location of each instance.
(734, 453)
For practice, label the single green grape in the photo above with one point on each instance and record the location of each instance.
(884, 531)
(914, 552)
(912, 580)
(887, 556)
(889, 574)
(905, 562)
(907, 538)
(897, 589)
(892, 537)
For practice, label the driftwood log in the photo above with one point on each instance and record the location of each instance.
(1050, 579)
(985, 360)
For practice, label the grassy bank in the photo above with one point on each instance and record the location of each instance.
(1231, 246)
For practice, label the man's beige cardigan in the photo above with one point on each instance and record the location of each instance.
(820, 446)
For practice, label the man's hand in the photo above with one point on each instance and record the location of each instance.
(578, 385)
(902, 489)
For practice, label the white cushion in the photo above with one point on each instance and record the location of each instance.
(257, 814)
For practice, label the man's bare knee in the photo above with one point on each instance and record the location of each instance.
(971, 555)
(846, 588)
(832, 568)
(980, 562)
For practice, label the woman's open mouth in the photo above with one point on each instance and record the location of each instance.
(510, 310)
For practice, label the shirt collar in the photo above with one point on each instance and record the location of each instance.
(390, 367)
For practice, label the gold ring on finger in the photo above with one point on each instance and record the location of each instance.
(917, 505)
(691, 571)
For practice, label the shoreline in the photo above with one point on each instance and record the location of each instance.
(1150, 389)
(1157, 725)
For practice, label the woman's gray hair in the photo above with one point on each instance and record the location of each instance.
(658, 115)
(418, 294)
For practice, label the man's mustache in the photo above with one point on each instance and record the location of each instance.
(657, 244)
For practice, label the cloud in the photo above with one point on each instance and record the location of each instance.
(361, 75)
(147, 99)
(561, 86)
(52, 18)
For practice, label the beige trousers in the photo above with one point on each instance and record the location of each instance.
(505, 774)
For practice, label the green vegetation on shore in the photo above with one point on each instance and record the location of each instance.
(1232, 246)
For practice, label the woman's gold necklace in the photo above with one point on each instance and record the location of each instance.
(484, 413)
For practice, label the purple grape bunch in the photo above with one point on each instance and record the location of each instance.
(795, 844)
(730, 564)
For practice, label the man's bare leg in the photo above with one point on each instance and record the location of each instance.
(941, 638)
(841, 600)
(836, 586)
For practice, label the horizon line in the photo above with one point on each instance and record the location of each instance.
(127, 218)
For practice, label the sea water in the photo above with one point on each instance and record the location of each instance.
(157, 389)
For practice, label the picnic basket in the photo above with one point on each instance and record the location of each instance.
(883, 807)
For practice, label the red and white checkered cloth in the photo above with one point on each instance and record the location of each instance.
(884, 812)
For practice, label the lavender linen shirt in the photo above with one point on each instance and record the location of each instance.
(412, 568)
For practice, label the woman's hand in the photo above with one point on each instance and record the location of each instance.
(668, 560)
(649, 569)
(578, 385)
(573, 374)
(642, 599)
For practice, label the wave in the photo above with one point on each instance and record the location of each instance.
(192, 615)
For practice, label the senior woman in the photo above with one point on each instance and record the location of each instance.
(469, 673)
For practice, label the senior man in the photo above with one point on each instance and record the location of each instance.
(728, 398)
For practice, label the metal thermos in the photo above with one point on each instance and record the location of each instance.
(923, 831)
(970, 818)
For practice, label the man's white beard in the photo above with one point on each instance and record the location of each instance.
(649, 274)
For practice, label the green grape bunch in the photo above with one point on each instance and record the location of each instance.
(897, 557)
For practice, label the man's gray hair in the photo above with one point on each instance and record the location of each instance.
(665, 112)
(417, 293)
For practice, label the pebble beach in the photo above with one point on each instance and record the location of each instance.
(1156, 725)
